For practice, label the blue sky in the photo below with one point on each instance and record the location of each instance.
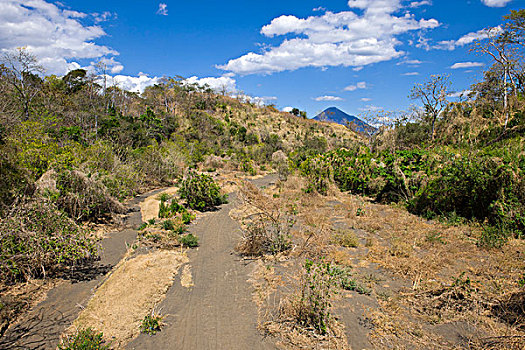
(357, 55)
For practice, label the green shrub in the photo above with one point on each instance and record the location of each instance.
(151, 324)
(318, 172)
(189, 240)
(84, 339)
(317, 287)
(201, 192)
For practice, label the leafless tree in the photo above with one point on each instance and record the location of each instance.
(433, 95)
(22, 70)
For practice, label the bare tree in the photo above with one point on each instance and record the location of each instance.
(500, 45)
(22, 69)
(433, 94)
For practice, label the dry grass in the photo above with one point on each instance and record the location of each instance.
(130, 293)
(436, 274)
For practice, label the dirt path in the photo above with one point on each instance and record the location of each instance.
(42, 327)
(217, 311)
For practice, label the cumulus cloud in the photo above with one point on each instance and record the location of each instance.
(496, 3)
(221, 84)
(410, 62)
(163, 9)
(371, 108)
(328, 98)
(420, 3)
(287, 109)
(333, 39)
(360, 85)
(466, 39)
(53, 34)
(461, 65)
(130, 83)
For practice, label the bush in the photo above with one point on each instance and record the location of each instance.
(84, 339)
(312, 307)
(189, 240)
(81, 197)
(318, 172)
(37, 239)
(201, 192)
(151, 324)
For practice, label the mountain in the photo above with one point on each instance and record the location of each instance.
(335, 115)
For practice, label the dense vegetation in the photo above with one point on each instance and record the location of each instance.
(72, 148)
(452, 160)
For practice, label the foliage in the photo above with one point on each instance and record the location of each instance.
(151, 324)
(201, 192)
(84, 339)
(189, 240)
(318, 284)
(36, 239)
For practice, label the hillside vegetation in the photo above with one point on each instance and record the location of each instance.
(73, 150)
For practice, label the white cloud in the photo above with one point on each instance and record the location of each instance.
(460, 94)
(410, 62)
(360, 85)
(371, 108)
(54, 35)
(460, 65)
(320, 8)
(163, 9)
(129, 83)
(221, 84)
(328, 98)
(366, 99)
(496, 3)
(333, 39)
(357, 69)
(410, 73)
(420, 3)
(287, 109)
(467, 39)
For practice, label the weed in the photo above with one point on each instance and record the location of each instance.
(346, 238)
(84, 339)
(434, 237)
(492, 237)
(189, 240)
(168, 225)
(360, 212)
(151, 324)
(142, 226)
(151, 221)
(312, 309)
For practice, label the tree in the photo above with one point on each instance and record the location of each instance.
(499, 45)
(22, 69)
(433, 94)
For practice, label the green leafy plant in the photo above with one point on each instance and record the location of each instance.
(151, 324)
(201, 192)
(189, 240)
(84, 339)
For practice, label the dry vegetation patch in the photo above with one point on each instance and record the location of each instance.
(433, 286)
(129, 294)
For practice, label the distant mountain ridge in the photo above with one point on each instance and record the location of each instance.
(335, 115)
